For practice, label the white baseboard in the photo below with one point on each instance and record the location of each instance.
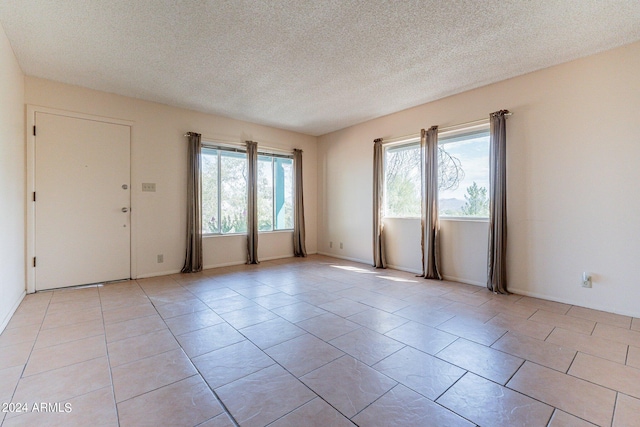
(408, 270)
(13, 309)
(345, 258)
(566, 301)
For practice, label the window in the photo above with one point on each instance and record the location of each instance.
(463, 175)
(275, 193)
(224, 191)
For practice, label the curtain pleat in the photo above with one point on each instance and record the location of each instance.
(497, 267)
(299, 247)
(252, 202)
(193, 256)
(379, 258)
(430, 223)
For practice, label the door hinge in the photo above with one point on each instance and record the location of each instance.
(34, 130)
(34, 261)
(34, 196)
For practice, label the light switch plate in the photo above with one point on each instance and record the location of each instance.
(149, 186)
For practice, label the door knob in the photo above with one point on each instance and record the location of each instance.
(125, 210)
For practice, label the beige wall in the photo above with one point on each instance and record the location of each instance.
(573, 174)
(158, 154)
(12, 182)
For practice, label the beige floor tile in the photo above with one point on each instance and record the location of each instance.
(378, 320)
(556, 307)
(248, 316)
(193, 321)
(472, 330)
(8, 380)
(60, 385)
(208, 339)
(386, 303)
(344, 307)
(510, 308)
(539, 331)
(136, 348)
(612, 319)
(474, 299)
(419, 371)
(276, 300)
(595, 346)
(57, 356)
(188, 402)
(606, 373)
(257, 291)
(328, 326)
(422, 337)
(148, 374)
(74, 294)
(541, 352)
(63, 334)
(177, 295)
(317, 297)
(303, 354)
(403, 407)
(624, 336)
(633, 357)
(574, 324)
(264, 396)
(471, 312)
(481, 360)
(627, 411)
(63, 318)
(230, 363)
(174, 309)
(577, 397)
(122, 301)
(298, 311)
(134, 327)
(418, 313)
(348, 384)
(366, 345)
(487, 403)
(221, 420)
(26, 318)
(96, 408)
(316, 413)
(73, 305)
(225, 305)
(122, 314)
(562, 419)
(19, 335)
(271, 332)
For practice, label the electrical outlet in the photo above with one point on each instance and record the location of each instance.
(586, 280)
(149, 186)
(340, 245)
(330, 244)
(160, 258)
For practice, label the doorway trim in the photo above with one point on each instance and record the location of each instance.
(30, 232)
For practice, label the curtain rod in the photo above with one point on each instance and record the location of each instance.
(241, 144)
(443, 129)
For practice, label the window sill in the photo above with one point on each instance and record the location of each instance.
(204, 236)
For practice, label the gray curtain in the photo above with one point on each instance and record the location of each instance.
(252, 202)
(193, 257)
(430, 222)
(299, 248)
(379, 259)
(497, 267)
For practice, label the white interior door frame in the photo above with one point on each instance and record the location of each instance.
(31, 182)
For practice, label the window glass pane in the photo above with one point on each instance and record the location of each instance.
(464, 176)
(283, 194)
(402, 181)
(209, 173)
(265, 193)
(233, 192)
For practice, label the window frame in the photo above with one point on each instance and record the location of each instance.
(447, 136)
(219, 148)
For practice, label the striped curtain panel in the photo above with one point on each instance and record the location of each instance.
(299, 247)
(430, 222)
(497, 266)
(193, 256)
(252, 202)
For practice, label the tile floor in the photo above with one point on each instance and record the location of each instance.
(314, 342)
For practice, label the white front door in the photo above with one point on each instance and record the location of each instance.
(82, 205)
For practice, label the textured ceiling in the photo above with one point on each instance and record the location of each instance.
(308, 66)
